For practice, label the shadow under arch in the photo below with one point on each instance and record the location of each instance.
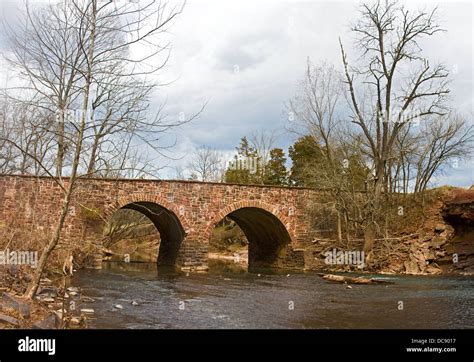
(267, 235)
(168, 225)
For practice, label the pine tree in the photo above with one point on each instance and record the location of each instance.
(275, 170)
(306, 156)
(240, 170)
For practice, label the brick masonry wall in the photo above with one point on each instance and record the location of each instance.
(34, 203)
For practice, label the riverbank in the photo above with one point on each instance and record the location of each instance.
(438, 241)
(55, 306)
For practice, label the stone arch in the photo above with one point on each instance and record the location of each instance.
(145, 197)
(170, 224)
(266, 228)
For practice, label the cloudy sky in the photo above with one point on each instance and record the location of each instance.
(246, 57)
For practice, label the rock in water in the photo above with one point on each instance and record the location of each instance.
(118, 306)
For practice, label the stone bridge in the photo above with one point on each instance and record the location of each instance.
(275, 220)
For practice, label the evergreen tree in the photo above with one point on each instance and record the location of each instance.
(275, 170)
(245, 168)
(311, 168)
(306, 156)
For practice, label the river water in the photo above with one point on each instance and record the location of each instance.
(230, 297)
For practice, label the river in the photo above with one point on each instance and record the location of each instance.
(230, 297)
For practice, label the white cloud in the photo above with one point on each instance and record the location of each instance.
(270, 41)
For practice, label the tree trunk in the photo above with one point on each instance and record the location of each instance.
(61, 147)
(369, 240)
(34, 284)
(346, 222)
(370, 229)
(92, 160)
(339, 226)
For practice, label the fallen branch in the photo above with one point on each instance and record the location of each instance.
(353, 280)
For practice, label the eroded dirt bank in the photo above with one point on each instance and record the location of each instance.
(442, 244)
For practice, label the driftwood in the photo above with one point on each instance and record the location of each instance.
(353, 280)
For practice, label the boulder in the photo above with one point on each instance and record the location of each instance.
(437, 242)
(439, 228)
(5, 319)
(429, 254)
(21, 307)
(433, 268)
(50, 322)
(411, 267)
(75, 321)
(48, 300)
(48, 291)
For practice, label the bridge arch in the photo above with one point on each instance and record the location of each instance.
(172, 228)
(265, 226)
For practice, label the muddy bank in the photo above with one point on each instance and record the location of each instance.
(443, 244)
(458, 212)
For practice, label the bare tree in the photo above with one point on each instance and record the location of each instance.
(263, 142)
(78, 55)
(46, 54)
(443, 140)
(387, 100)
(315, 107)
(207, 165)
(315, 110)
(179, 173)
(28, 129)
